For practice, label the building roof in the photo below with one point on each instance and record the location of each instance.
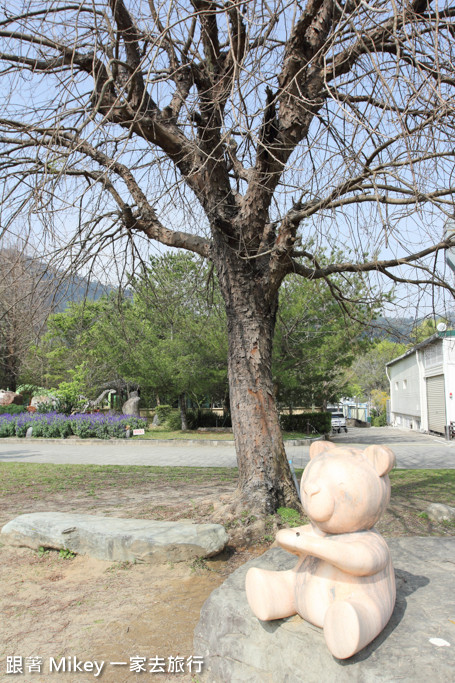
(425, 342)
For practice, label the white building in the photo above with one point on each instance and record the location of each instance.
(351, 409)
(422, 385)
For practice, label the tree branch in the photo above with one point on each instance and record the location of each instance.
(379, 266)
(145, 219)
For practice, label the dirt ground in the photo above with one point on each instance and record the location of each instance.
(95, 610)
(98, 611)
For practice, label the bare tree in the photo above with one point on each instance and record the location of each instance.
(270, 130)
(26, 299)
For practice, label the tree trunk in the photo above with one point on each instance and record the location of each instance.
(226, 405)
(10, 372)
(265, 480)
(182, 406)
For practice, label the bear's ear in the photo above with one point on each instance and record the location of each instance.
(319, 447)
(381, 457)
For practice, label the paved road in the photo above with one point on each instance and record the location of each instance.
(177, 453)
(412, 450)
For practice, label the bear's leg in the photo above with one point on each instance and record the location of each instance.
(271, 594)
(349, 625)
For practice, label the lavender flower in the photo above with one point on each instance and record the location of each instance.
(84, 425)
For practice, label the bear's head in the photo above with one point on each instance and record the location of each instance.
(345, 489)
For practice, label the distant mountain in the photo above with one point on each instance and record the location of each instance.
(52, 288)
(76, 288)
(399, 329)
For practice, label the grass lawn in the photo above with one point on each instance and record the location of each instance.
(174, 492)
(35, 478)
(163, 433)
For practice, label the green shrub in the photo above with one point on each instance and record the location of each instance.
(12, 409)
(174, 421)
(163, 411)
(316, 422)
(380, 420)
(207, 419)
(192, 419)
(38, 427)
(48, 407)
(55, 427)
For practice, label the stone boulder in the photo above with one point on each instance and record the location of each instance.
(112, 538)
(417, 644)
(438, 512)
(131, 406)
(8, 398)
(47, 400)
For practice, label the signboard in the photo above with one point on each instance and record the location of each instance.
(138, 432)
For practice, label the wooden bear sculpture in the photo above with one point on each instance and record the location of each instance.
(344, 580)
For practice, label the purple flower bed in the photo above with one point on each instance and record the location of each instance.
(84, 425)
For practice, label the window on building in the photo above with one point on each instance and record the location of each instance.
(405, 384)
(432, 355)
(396, 386)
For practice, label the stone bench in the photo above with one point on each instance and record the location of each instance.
(112, 538)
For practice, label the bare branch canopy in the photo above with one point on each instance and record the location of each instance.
(245, 104)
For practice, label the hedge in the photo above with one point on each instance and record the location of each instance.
(320, 423)
(12, 409)
(163, 411)
(207, 419)
(174, 421)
